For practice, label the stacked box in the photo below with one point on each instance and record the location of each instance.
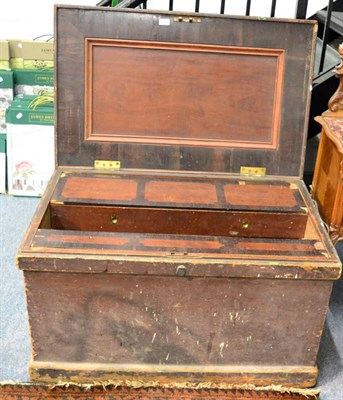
(2, 162)
(30, 149)
(6, 95)
(31, 101)
(31, 54)
(32, 82)
(4, 54)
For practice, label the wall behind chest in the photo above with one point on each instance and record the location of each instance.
(284, 9)
(24, 19)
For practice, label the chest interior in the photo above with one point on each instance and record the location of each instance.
(183, 107)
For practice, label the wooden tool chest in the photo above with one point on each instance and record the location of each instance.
(201, 258)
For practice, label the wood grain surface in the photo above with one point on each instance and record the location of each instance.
(175, 191)
(239, 109)
(327, 186)
(149, 321)
(135, 274)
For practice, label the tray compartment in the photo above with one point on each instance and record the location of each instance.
(160, 205)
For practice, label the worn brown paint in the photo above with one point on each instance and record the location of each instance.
(148, 272)
(151, 189)
(180, 222)
(107, 318)
(181, 192)
(193, 94)
(250, 195)
(283, 159)
(106, 189)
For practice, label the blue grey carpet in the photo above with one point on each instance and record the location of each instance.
(15, 216)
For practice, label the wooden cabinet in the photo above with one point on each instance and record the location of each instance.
(327, 187)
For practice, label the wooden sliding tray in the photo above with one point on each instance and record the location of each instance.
(142, 203)
(201, 259)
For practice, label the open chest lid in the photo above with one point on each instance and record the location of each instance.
(170, 91)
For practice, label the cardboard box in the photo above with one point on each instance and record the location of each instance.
(30, 150)
(4, 54)
(6, 95)
(31, 54)
(31, 49)
(32, 82)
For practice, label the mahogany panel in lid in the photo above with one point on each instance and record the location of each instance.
(154, 90)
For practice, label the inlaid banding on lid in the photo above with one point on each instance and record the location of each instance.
(100, 188)
(260, 196)
(180, 192)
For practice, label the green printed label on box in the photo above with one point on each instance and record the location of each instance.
(33, 77)
(40, 118)
(24, 116)
(44, 80)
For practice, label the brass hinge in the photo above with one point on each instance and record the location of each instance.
(187, 19)
(106, 164)
(57, 202)
(253, 171)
